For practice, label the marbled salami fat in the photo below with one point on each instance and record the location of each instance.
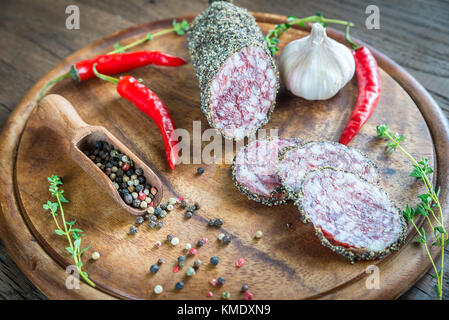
(237, 75)
(350, 215)
(296, 161)
(254, 170)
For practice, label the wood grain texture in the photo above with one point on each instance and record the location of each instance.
(399, 38)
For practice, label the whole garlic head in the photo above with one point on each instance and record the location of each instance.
(316, 67)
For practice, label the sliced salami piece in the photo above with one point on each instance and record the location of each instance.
(294, 162)
(351, 216)
(254, 170)
(237, 75)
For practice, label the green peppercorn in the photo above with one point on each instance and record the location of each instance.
(190, 272)
(226, 295)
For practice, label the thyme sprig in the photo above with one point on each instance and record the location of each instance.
(429, 204)
(179, 27)
(67, 228)
(272, 37)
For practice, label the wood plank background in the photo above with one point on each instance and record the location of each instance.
(33, 38)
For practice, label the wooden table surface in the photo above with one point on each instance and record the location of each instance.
(34, 38)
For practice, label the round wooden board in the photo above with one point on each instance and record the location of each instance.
(287, 263)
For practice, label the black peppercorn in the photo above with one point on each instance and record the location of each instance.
(200, 243)
(200, 170)
(221, 281)
(211, 222)
(136, 203)
(128, 198)
(191, 208)
(218, 222)
(189, 214)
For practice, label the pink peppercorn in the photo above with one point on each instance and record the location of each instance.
(209, 294)
(176, 269)
(181, 198)
(125, 167)
(204, 239)
(240, 262)
(248, 296)
(142, 196)
(192, 252)
(213, 282)
(153, 190)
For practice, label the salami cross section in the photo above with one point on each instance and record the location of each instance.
(254, 170)
(237, 75)
(294, 162)
(350, 215)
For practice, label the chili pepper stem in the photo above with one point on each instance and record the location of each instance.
(52, 82)
(349, 40)
(103, 76)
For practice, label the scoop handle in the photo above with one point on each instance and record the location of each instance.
(58, 114)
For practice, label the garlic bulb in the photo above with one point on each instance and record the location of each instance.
(316, 67)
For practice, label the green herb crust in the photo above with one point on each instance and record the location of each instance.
(216, 34)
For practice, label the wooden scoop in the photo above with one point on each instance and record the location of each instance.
(59, 115)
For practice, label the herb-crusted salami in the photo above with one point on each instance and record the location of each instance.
(254, 170)
(294, 162)
(237, 76)
(350, 215)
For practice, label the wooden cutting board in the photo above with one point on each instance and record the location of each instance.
(287, 263)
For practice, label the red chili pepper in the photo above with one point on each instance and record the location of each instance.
(369, 86)
(148, 102)
(116, 63)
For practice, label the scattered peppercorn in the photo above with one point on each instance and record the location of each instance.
(189, 214)
(140, 220)
(244, 288)
(192, 252)
(211, 222)
(174, 241)
(200, 170)
(227, 239)
(158, 244)
(158, 289)
(160, 224)
(221, 281)
(133, 230)
(200, 243)
(190, 272)
(218, 222)
(188, 246)
(95, 255)
(170, 207)
(197, 206)
(170, 237)
(154, 268)
(179, 285)
(209, 294)
(214, 260)
(160, 261)
(196, 264)
(172, 201)
(163, 206)
(226, 295)
(181, 260)
(183, 204)
(248, 296)
(258, 235)
(240, 262)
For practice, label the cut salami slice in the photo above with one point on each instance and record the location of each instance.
(254, 170)
(351, 216)
(294, 162)
(237, 75)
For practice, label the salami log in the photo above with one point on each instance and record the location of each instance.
(351, 216)
(295, 161)
(254, 170)
(237, 75)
